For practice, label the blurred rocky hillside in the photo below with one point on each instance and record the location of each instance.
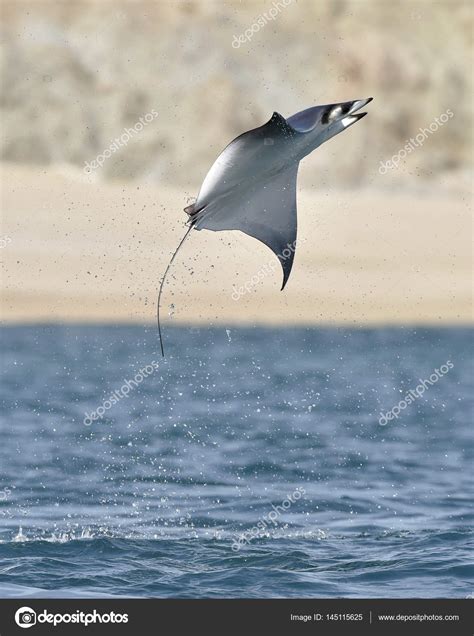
(76, 74)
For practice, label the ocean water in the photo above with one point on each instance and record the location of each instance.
(248, 463)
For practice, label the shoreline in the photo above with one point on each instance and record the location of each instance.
(81, 252)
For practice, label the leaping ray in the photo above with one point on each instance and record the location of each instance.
(251, 186)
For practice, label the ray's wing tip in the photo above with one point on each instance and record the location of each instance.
(286, 276)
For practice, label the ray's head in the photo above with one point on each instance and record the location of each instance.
(328, 120)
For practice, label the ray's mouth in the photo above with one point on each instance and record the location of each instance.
(349, 118)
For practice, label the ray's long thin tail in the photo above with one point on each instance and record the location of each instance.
(161, 287)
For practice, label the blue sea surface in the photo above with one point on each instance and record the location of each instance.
(250, 462)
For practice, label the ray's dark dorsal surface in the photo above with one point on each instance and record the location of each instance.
(251, 186)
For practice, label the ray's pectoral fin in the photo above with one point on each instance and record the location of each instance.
(282, 244)
(267, 212)
(269, 215)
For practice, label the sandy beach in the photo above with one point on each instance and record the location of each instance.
(78, 251)
(392, 247)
